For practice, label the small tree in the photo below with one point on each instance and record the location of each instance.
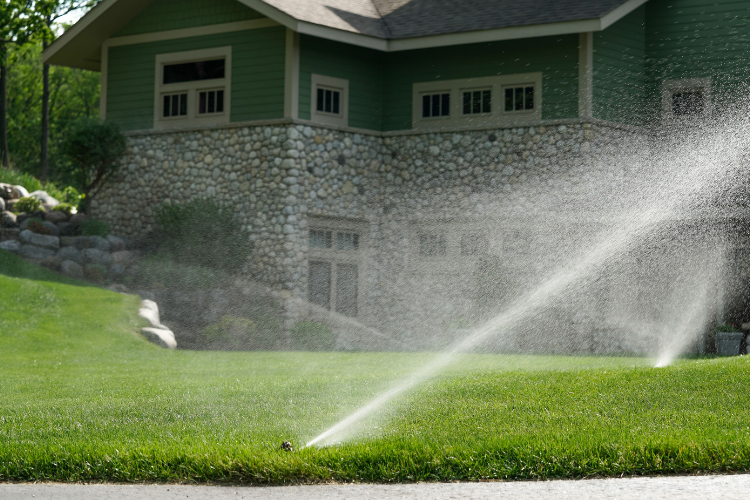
(95, 149)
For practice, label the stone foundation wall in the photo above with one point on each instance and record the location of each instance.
(281, 179)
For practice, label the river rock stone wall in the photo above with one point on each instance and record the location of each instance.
(281, 179)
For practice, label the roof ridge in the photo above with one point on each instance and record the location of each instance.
(382, 19)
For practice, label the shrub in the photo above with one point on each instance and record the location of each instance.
(94, 149)
(27, 205)
(312, 336)
(37, 226)
(232, 332)
(94, 227)
(64, 207)
(160, 273)
(201, 233)
(69, 196)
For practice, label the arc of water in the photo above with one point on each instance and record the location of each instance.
(659, 210)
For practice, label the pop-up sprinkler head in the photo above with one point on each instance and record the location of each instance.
(287, 446)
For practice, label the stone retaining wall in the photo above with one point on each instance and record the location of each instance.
(281, 179)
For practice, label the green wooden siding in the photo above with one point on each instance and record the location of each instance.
(257, 75)
(556, 57)
(361, 67)
(695, 39)
(163, 15)
(619, 70)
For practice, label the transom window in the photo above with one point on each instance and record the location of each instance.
(519, 98)
(434, 105)
(193, 88)
(477, 102)
(329, 101)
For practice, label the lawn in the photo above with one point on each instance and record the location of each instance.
(84, 398)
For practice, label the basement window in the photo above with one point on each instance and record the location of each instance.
(519, 98)
(477, 101)
(436, 105)
(193, 88)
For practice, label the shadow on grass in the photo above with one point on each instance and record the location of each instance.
(15, 267)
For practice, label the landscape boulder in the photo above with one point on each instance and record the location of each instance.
(9, 219)
(6, 191)
(72, 269)
(40, 240)
(100, 243)
(71, 254)
(78, 218)
(150, 312)
(45, 198)
(67, 228)
(2, 205)
(115, 243)
(35, 252)
(20, 192)
(123, 257)
(56, 216)
(96, 256)
(161, 337)
(10, 246)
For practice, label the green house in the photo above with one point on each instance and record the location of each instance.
(350, 134)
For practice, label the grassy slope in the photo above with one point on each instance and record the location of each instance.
(83, 397)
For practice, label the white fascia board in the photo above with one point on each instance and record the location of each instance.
(620, 12)
(515, 32)
(272, 12)
(348, 37)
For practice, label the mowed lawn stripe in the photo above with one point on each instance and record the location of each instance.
(84, 398)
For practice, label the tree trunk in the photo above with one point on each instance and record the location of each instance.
(44, 156)
(4, 109)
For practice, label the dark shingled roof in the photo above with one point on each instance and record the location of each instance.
(394, 19)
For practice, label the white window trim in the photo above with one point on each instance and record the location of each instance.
(342, 120)
(497, 117)
(192, 88)
(669, 87)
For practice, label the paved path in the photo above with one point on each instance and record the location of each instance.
(734, 487)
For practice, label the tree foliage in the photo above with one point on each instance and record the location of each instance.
(94, 149)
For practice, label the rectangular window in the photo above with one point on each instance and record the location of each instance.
(320, 239)
(210, 101)
(688, 103)
(175, 105)
(432, 245)
(347, 241)
(477, 102)
(474, 244)
(519, 98)
(319, 284)
(194, 71)
(434, 105)
(329, 100)
(347, 289)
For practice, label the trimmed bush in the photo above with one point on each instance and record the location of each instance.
(94, 227)
(27, 205)
(202, 233)
(63, 207)
(312, 336)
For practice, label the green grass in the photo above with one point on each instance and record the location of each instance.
(84, 398)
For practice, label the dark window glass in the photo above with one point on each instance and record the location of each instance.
(446, 105)
(529, 98)
(486, 100)
(432, 245)
(202, 103)
(688, 103)
(328, 103)
(319, 284)
(477, 102)
(474, 244)
(347, 241)
(166, 106)
(436, 105)
(467, 103)
(336, 102)
(194, 71)
(425, 106)
(321, 98)
(320, 239)
(183, 104)
(219, 101)
(175, 104)
(212, 102)
(347, 289)
(519, 99)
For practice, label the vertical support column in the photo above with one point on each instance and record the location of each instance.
(104, 69)
(586, 75)
(291, 75)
